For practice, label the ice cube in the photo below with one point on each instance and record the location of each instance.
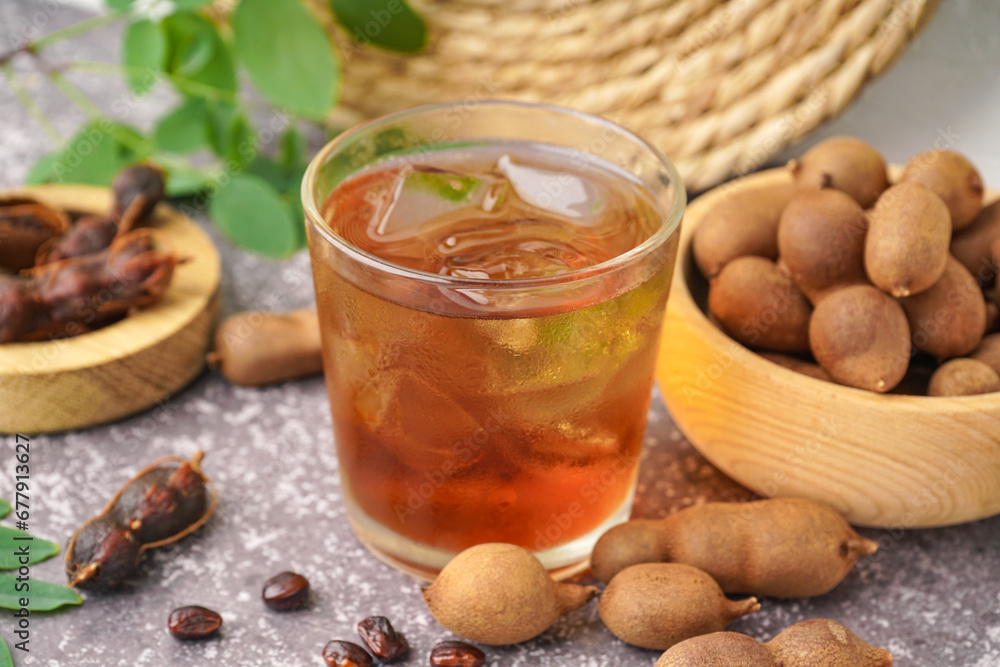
(572, 443)
(423, 426)
(560, 192)
(424, 200)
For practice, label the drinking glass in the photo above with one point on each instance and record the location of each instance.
(471, 410)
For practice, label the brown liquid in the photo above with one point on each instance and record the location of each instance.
(455, 431)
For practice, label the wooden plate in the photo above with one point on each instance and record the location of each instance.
(882, 460)
(128, 366)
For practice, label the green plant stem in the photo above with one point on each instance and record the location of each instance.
(82, 102)
(206, 91)
(30, 106)
(76, 29)
(75, 95)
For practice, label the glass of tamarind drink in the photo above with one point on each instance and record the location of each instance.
(491, 279)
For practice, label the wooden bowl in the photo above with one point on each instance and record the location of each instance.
(128, 366)
(883, 460)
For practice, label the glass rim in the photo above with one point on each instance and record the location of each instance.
(671, 218)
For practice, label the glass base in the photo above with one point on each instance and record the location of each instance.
(424, 562)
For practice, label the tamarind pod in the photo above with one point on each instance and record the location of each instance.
(25, 225)
(20, 310)
(91, 234)
(70, 296)
(137, 190)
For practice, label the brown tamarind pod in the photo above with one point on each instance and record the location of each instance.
(780, 547)
(816, 642)
(166, 501)
(256, 348)
(137, 190)
(90, 234)
(26, 225)
(73, 295)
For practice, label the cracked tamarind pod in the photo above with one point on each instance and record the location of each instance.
(26, 225)
(168, 500)
(75, 295)
(137, 190)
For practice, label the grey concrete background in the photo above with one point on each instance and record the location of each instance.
(931, 596)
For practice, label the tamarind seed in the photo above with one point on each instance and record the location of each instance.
(285, 591)
(193, 622)
(457, 654)
(339, 653)
(382, 639)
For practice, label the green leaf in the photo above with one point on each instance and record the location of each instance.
(294, 201)
(119, 4)
(285, 178)
(41, 595)
(144, 49)
(288, 54)
(38, 549)
(97, 152)
(5, 658)
(184, 180)
(391, 24)
(41, 171)
(4, 508)
(231, 134)
(266, 168)
(197, 56)
(292, 149)
(185, 128)
(250, 213)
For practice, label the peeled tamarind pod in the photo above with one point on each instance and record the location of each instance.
(973, 245)
(821, 239)
(988, 352)
(814, 643)
(906, 248)
(963, 377)
(847, 164)
(821, 642)
(951, 177)
(759, 305)
(781, 547)
(500, 594)
(656, 605)
(861, 337)
(719, 649)
(257, 348)
(947, 320)
(744, 223)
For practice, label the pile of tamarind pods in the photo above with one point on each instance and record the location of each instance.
(61, 277)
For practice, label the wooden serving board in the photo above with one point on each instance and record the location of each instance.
(128, 366)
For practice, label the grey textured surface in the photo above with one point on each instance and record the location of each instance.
(931, 596)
